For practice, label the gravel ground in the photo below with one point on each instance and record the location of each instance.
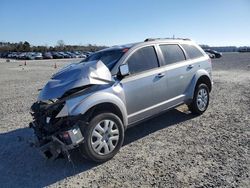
(175, 149)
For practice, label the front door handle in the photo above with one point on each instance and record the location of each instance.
(190, 66)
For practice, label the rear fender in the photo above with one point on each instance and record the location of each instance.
(191, 88)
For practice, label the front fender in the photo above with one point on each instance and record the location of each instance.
(83, 105)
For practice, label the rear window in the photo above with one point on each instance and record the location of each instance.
(172, 53)
(192, 51)
(142, 60)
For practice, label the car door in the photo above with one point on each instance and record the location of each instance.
(138, 86)
(181, 62)
(177, 70)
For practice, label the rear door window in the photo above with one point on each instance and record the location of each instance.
(142, 60)
(192, 51)
(172, 53)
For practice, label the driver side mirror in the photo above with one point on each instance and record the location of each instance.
(123, 70)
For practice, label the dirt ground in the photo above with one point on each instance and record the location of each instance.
(175, 149)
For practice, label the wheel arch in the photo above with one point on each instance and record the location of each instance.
(104, 107)
(202, 76)
(102, 102)
(206, 80)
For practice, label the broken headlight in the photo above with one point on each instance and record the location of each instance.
(53, 110)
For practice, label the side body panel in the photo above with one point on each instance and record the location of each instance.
(146, 94)
(175, 87)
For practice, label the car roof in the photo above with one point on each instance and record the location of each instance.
(148, 41)
(130, 45)
(167, 40)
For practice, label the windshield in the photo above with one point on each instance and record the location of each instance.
(109, 57)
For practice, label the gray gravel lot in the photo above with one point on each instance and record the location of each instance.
(175, 149)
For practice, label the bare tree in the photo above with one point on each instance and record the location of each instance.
(60, 45)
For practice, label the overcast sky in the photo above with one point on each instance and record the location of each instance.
(110, 22)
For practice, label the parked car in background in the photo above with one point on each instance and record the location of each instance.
(83, 56)
(244, 49)
(87, 53)
(30, 56)
(47, 55)
(212, 56)
(76, 54)
(4, 54)
(217, 54)
(71, 54)
(38, 55)
(57, 55)
(33, 55)
(64, 54)
(22, 56)
(13, 55)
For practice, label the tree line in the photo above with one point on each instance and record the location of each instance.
(61, 46)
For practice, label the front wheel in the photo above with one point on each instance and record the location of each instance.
(103, 137)
(200, 100)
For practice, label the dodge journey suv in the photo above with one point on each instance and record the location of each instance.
(89, 105)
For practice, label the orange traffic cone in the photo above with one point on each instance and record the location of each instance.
(25, 63)
(55, 66)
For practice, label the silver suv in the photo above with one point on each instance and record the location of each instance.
(89, 105)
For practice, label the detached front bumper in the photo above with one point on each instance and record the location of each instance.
(51, 147)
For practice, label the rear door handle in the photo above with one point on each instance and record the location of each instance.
(190, 66)
(160, 75)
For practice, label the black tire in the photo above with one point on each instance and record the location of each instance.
(87, 147)
(193, 107)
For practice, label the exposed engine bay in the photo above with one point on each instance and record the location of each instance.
(55, 136)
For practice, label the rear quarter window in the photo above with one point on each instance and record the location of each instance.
(192, 51)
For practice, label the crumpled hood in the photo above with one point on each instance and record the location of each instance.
(73, 76)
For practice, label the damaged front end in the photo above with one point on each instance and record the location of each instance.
(56, 129)
(55, 136)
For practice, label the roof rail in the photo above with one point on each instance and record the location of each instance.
(153, 39)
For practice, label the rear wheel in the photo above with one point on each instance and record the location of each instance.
(200, 100)
(103, 137)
